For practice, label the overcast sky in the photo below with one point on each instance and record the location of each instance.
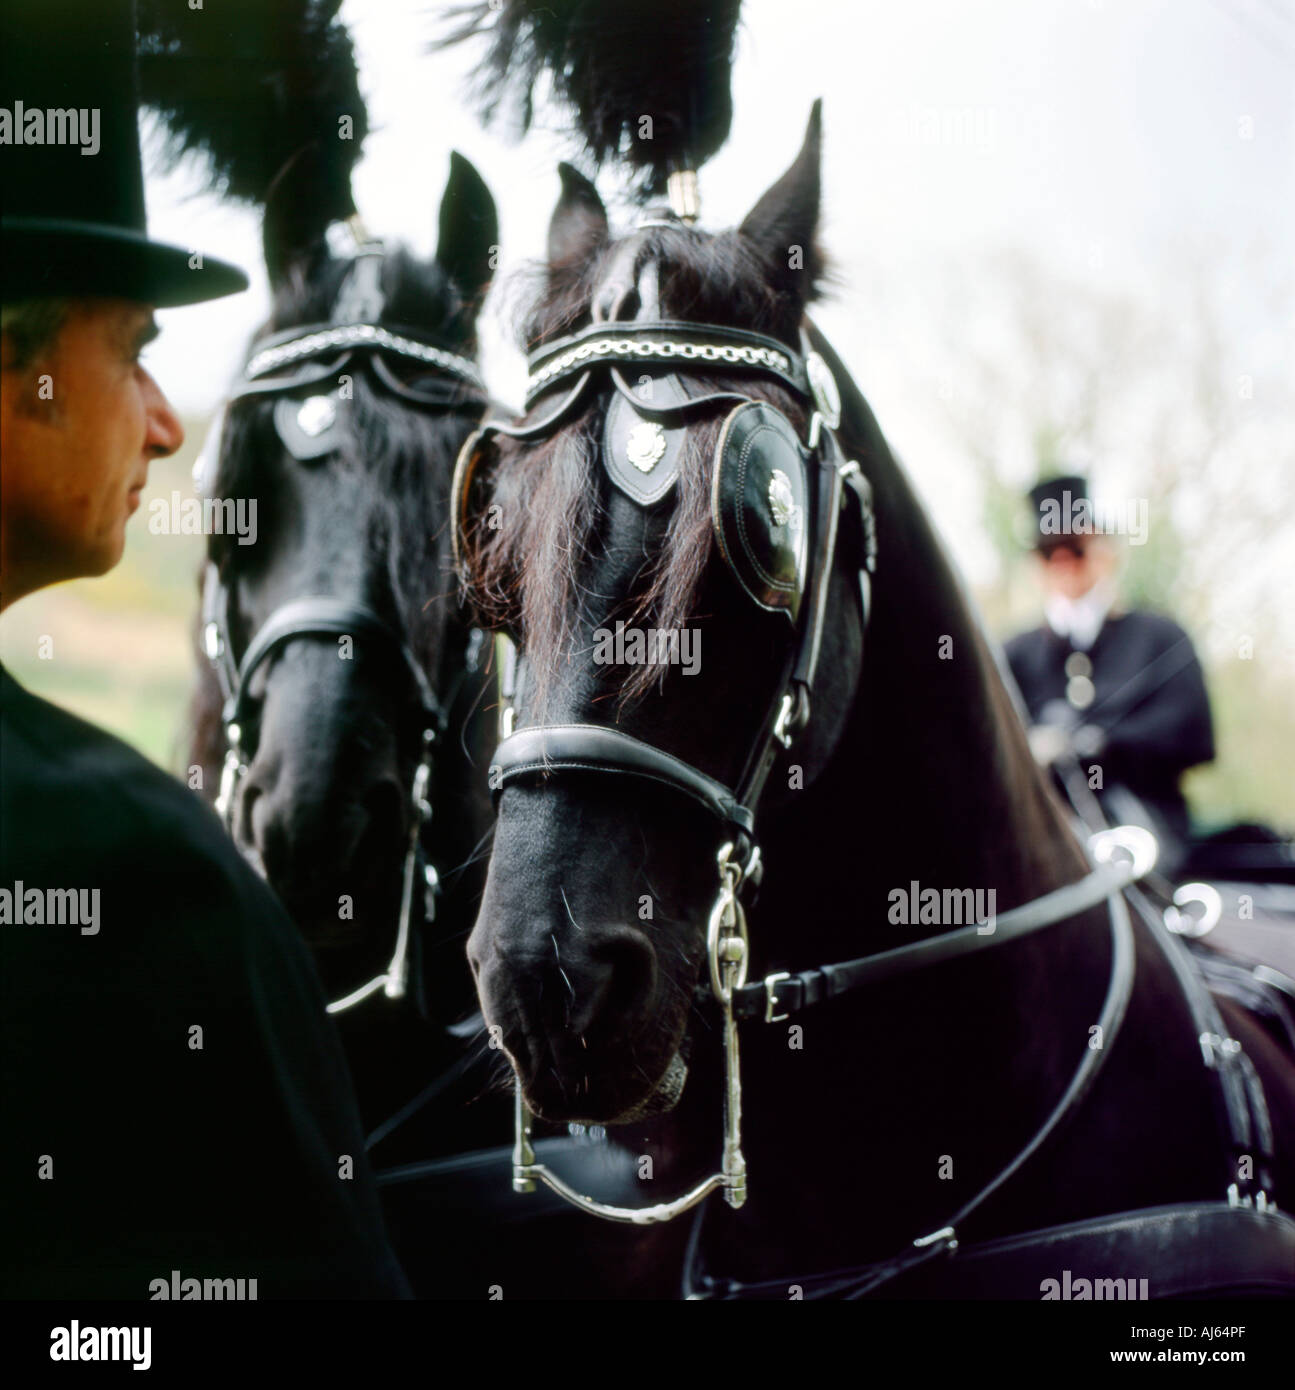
(1107, 136)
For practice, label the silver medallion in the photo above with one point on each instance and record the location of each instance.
(645, 446)
(782, 501)
(317, 414)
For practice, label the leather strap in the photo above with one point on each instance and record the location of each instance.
(1114, 1007)
(309, 374)
(545, 748)
(810, 987)
(828, 486)
(673, 398)
(432, 391)
(319, 616)
(1185, 1249)
(1244, 1109)
(546, 423)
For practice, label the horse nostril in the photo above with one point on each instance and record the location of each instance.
(622, 973)
(293, 837)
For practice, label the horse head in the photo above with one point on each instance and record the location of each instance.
(644, 600)
(334, 632)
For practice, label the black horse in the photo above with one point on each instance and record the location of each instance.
(870, 1119)
(332, 722)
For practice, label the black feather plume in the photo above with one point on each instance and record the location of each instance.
(255, 85)
(614, 63)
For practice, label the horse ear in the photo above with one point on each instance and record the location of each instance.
(298, 209)
(579, 221)
(784, 223)
(468, 241)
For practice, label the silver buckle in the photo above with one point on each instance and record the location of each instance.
(771, 996)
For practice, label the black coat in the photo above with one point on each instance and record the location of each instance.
(218, 1162)
(1149, 699)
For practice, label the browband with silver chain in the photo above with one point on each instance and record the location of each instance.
(300, 347)
(662, 342)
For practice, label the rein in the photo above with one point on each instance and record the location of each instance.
(308, 429)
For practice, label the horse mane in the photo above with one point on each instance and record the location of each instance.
(525, 574)
(933, 604)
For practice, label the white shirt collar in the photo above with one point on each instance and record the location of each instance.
(1080, 619)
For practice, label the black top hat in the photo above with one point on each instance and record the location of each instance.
(71, 179)
(1054, 503)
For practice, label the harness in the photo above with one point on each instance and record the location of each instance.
(776, 503)
(307, 418)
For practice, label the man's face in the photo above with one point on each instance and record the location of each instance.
(1071, 567)
(79, 426)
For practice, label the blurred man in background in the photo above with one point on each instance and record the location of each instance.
(1115, 696)
(176, 1103)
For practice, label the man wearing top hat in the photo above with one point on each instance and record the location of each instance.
(176, 1106)
(1120, 691)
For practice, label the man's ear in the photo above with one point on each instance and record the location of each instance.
(579, 222)
(784, 223)
(468, 242)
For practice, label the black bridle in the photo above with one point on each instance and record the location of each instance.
(601, 351)
(1121, 856)
(307, 423)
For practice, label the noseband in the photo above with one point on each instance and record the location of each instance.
(308, 424)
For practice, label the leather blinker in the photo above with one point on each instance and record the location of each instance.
(760, 505)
